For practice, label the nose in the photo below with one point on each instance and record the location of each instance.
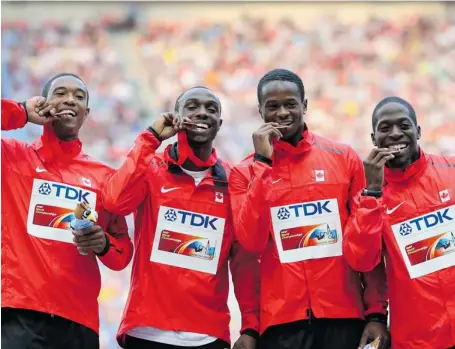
(396, 132)
(70, 99)
(282, 112)
(202, 114)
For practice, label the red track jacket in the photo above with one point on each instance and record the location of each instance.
(294, 213)
(41, 184)
(414, 221)
(184, 241)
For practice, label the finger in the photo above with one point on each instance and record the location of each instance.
(90, 244)
(380, 155)
(40, 101)
(45, 109)
(88, 237)
(363, 340)
(169, 119)
(386, 158)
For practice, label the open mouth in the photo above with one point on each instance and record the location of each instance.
(202, 126)
(284, 124)
(396, 148)
(66, 113)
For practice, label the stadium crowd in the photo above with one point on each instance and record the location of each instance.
(346, 69)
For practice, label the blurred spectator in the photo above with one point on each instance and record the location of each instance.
(346, 69)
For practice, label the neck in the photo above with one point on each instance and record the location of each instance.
(297, 137)
(67, 139)
(409, 161)
(201, 151)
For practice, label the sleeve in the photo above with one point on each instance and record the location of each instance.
(119, 249)
(14, 115)
(362, 239)
(245, 271)
(358, 249)
(375, 294)
(250, 205)
(127, 187)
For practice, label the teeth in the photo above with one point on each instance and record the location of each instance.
(397, 147)
(204, 126)
(66, 112)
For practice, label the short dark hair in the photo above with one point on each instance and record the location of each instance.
(177, 101)
(393, 99)
(280, 75)
(48, 84)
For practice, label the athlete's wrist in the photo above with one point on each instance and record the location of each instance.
(152, 130)
(261, 158)
(377, 193)
(250, 332)
(106, 247)
(377, 317)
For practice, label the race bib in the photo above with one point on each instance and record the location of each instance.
(307, 230)
(427, 242)
(189, 240)
(51, 209)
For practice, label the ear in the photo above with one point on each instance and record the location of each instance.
(221, 123)
(373, 140)
(419, 132)
(87, 111)
(260, 111)
(305, 106)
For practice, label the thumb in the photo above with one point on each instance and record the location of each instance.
(363, 339)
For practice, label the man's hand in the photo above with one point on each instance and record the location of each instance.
(374, 167)
(168, 124)
(262, 139)
(245, 342)
(93, 238)
(375, 330)
(39, 111)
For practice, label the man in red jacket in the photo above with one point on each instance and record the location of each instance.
(291, 201)
(406, 214)
(184, 237)
(50, 290)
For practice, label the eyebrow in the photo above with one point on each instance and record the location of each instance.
(401, 119)
(194, 100)
(65, 88)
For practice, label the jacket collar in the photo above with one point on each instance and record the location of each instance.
(218, 173)
(415, 169)
(303, 146)
(51, 149)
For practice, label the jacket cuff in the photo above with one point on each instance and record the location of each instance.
(377, 317)
(250, 332)
(261, 158)
(150, 128)
(106, 248)
(25, 110)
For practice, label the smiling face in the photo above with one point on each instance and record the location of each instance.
(395, 129)
(281, 102)
(69, 96)
(203, 108)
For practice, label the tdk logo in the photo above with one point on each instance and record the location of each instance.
(190, 218)
(405, 229)
(63, 191)
(283, 213)
(305, 209)
(44, 189)
(429, 220)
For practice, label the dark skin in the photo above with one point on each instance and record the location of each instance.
(393, 126)
(67, 93)
(196, 106)
(282, 110)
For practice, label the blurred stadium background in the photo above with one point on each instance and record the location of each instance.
(136, 58)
